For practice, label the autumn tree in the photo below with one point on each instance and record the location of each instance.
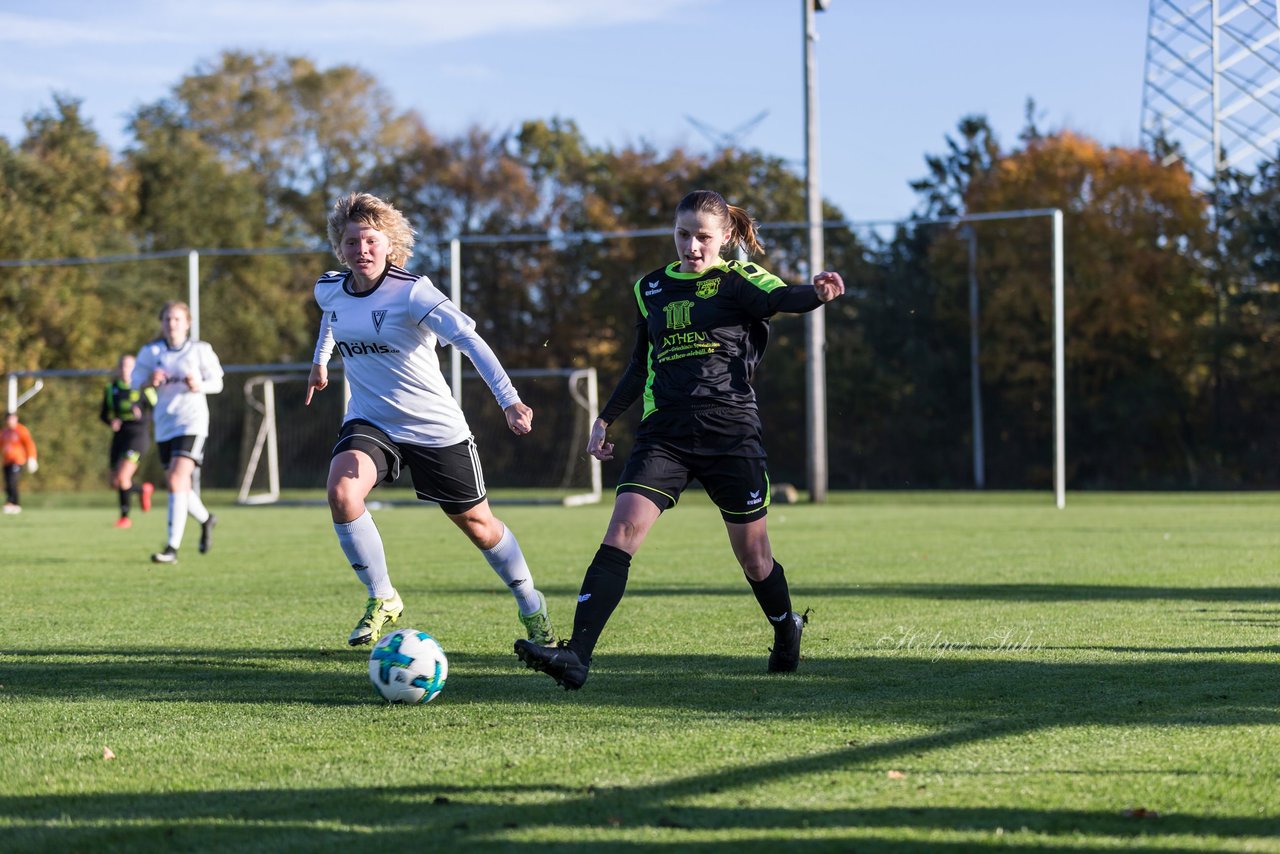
(254, 307)
(63, 196)
(969, 157)
(1137, 304)
(1247, 408)
(306, 134)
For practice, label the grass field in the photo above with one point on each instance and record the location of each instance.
(980, 671)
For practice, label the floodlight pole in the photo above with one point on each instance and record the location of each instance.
(1059, 367)
(815, 321)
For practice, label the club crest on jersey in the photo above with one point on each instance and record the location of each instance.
(378, 316)
(709, 288)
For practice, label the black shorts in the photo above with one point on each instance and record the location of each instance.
(719, 432)
(728, 459)
(450, 476)
(129, 442)
(182, 446)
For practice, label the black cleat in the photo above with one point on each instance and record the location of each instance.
(559, 662)
(206, 533)
(169, 555)
(784, 657)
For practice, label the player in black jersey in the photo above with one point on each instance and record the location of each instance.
(127, 411)
(702, 326)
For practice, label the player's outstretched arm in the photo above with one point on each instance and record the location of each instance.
(771, 295)
(829, 285)
(519, 418)
(596, 445)
(144, 372)
(209, 379)
(318, 380)
(455, 328)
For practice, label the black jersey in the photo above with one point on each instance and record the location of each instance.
(700, 336)
(125, 403)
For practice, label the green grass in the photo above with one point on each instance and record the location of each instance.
(980, 671)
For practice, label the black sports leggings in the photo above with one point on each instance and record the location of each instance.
(11, 475)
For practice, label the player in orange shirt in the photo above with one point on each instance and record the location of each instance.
(19, 450)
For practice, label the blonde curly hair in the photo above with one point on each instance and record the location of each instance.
(372, 211)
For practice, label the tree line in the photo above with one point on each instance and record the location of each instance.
(1171, 296)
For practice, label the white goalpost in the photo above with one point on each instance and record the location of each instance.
(1057, 276)
(550, 466)
(265, 439)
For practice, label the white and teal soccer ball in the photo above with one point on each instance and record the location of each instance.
(408, 666)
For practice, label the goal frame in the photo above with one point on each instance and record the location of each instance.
(583, 389)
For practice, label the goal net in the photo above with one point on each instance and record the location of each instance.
(285, 445)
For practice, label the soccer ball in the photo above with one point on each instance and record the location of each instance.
(408, 666)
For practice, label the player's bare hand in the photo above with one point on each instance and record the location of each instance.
(829, 285)
(318, 380)
(158, 377)
(193, 382)
(596, 445)
(116, 424)
(519, 418)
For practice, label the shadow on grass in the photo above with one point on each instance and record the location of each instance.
(939, 690)
(991, 592)
(961, 700)
(415, 819)
(317, 677)
(443, 816)
(1266, 649)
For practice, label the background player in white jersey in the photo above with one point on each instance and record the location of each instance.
(182, 372)
(385, 322)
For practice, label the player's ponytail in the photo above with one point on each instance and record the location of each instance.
(744, 231)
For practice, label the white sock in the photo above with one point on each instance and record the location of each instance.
(508, 561)
(196, 507)
(362, 544)
(177, 517)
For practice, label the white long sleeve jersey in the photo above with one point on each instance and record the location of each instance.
(387, 339)
(179, 411)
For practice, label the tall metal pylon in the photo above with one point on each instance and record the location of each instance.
(1212, 83)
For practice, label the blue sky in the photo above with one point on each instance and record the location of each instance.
(894, 76)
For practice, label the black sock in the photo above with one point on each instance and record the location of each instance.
(774, 597)
(602, 589)
(124, 501)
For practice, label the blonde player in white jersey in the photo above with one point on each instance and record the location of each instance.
(386, 322)
(182, 372)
